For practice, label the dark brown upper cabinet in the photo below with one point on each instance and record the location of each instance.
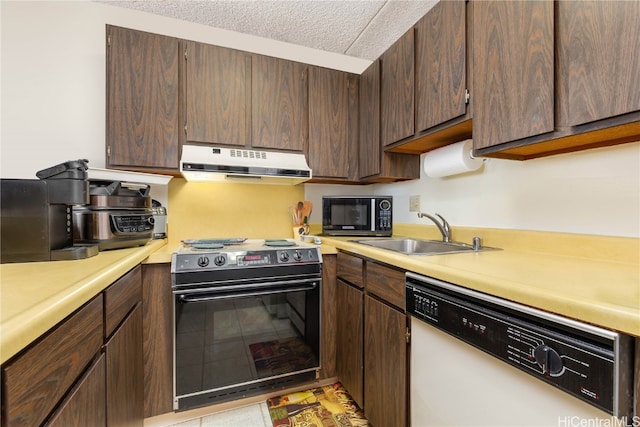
(554, 77)
(513, 71)
(142, 111)
(370, 148)
(397, 91)
(239, 99)
(333, 124)
(376, 165)
(599, 65)
(441, 48)
(218, 95)
(442, 63)
(280, 105)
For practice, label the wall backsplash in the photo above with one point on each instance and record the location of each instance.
(220, 210)
(588, 192)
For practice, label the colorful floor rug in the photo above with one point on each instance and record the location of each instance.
(328, 406)
(281, 356)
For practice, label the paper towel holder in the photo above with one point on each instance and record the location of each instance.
(452, 159)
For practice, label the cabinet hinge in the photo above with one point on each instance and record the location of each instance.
(408, 336)
(467, 96)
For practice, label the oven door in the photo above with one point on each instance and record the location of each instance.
(233, 341)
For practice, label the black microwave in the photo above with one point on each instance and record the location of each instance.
(357, 215)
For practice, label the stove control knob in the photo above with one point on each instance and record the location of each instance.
(219, 260)
(284, 256)
(549, 360)
(297, 255)
(203, 261)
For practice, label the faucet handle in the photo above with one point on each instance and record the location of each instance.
(446, 227)
(445, 224)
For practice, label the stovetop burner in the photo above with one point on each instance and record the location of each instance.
(236, 253)
(238, 244)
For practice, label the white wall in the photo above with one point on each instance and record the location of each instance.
(53, 76)
(588, 192)
(53, 110)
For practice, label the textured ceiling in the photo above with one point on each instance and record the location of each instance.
(358, 28)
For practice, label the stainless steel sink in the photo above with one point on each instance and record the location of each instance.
(419, 247)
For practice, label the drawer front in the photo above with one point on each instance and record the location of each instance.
(37, 380)
(350, 269)
(386, 283)
(121, 297)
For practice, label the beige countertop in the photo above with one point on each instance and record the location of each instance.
(593, 279)
(35, 296)
(589, 278)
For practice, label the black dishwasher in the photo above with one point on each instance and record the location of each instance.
(588, 362)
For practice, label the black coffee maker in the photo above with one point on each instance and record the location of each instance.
(36, 221)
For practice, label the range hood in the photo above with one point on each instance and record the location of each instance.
(217, 164)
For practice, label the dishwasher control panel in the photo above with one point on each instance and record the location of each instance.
(570, 355)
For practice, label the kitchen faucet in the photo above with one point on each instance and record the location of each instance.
(444, 227)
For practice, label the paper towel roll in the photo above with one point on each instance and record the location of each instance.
(451, 160)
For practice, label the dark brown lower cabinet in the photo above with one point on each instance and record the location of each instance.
(371, 338)
(157, 326)
(38, 379)
(329, 318)
(87, 370)
(85, 404)
(385, 364)
(125, 367)
(349, 312)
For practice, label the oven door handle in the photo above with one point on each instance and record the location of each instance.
(213, 297)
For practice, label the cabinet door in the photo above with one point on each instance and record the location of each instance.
(218, 95)
(158, 339)
(349, 362)
(85, 405)
(397, 86)
(125, 373)
(513, 70)
(599, 65)
(142, 100)
(385, 366)
(440, 43)
(333, 128)
(376, 165)
(329, 318)
(280, 106)
(370, 149)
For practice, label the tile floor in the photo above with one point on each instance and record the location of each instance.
(256, 415)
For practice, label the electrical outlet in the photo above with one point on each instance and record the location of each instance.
(414, 203)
